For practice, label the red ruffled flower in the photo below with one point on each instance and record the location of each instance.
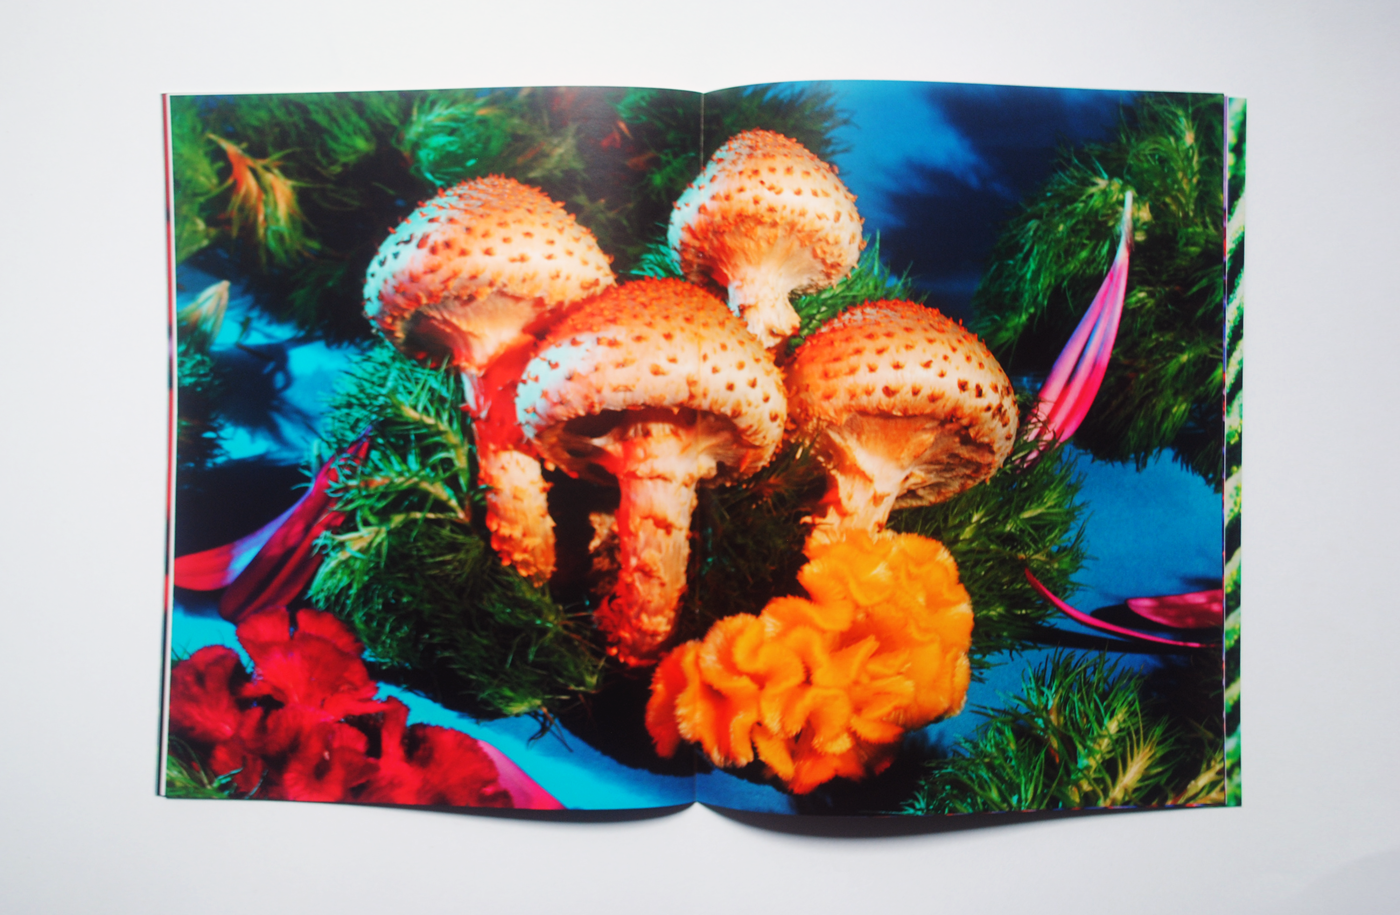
(317, 666)
(305, 725)
(424, 764)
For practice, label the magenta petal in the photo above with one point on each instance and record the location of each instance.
(213, 569)
(288, 561)
(1079, 370)
(1089, 621)
(1197, 610)
(1072, 409)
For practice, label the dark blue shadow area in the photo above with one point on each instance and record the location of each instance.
(219, 504)
(950, 163)
(255, 378)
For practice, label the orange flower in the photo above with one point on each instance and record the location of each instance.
(826, 686)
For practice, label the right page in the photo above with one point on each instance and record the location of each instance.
(984, 572)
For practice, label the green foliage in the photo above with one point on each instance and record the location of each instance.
(186, 776)
(807, 114)
(194, 176)
(1025, 517)
(1081, 734)
(300, 190)
(1234, 444)
(410, 568)
(871, 280)
(658, 261)
(448, 138)
(1163, 386)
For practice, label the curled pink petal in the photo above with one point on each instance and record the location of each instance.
(1196, 610)
(269, 566)
(1088, 620)
(1074, 380)
(213, 569)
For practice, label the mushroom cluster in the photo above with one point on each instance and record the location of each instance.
(655, 386)
(466, 279)
(903, 407)
(764, 220)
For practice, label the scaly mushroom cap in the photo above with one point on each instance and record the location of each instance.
(766, 219)
(905, 407)
(467, 272)
(656, 385)
(466, 277)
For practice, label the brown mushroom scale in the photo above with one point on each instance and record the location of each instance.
(903, 406)
(766, 219)
(657, 387)
(466, 279)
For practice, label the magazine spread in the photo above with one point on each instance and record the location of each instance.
(813, 448)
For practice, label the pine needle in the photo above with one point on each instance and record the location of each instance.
(411, 570)
(1081, 734)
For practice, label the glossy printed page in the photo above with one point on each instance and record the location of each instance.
(856, 443)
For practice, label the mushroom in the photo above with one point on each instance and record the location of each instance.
(766, 219)
(656, 386)
(904, 407)
(466, 279)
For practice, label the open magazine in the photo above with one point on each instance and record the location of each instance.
(810, 448)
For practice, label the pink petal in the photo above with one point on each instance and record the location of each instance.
(524, 790)
(279, 547)
(288, 561)
(1074, 380)
(217, 568)
(1088, 620)
(1197, 610)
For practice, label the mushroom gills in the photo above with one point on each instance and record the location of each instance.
(761, 286)
(471, 333)
(878, 463)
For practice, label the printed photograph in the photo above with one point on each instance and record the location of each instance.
(847, 448)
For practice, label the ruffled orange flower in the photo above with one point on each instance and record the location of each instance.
(826, 686)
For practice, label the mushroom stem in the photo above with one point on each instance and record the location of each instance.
(657, 465)
(517, 511)
(759, 294)
(517, 507)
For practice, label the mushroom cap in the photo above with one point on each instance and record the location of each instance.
(648, 344)
(898, 368)
(469, 270)
(765, 199)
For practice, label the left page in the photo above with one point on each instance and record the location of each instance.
(368, 601)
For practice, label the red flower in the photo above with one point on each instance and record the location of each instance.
(326, 763)
(202, 705)
(317, 666)
(306, 727)
(424, 764)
